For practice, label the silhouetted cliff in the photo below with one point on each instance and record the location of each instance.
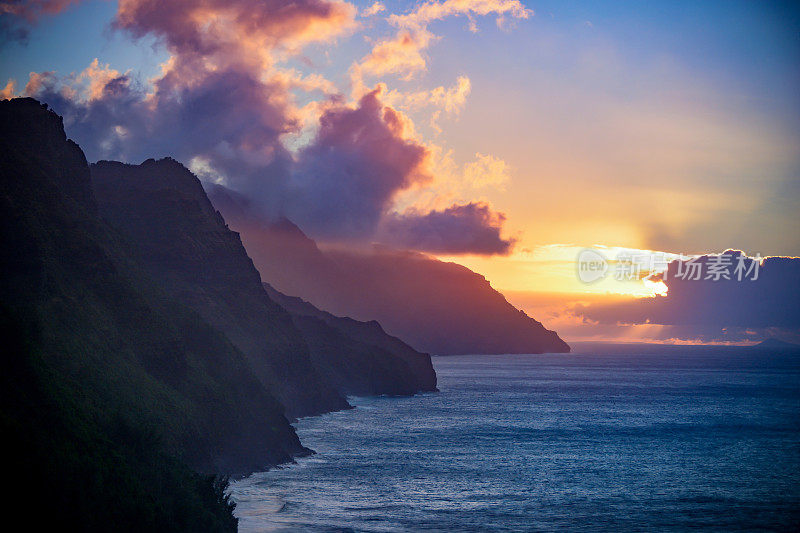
(359, 357)
(111, 389)
(185, 245)
(437, 307)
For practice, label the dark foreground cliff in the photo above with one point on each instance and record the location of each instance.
(114, 396)
(184, 243)
(310, 360)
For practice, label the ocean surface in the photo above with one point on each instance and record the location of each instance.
(680, 440)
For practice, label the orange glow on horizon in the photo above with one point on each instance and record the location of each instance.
(553, 269)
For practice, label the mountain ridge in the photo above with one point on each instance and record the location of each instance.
(377, 362)
(435, 307)
(184, 242)
(114, 396)
(187, 245)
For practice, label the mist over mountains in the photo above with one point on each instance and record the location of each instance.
(437, 307)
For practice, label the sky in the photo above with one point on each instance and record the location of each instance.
(503, 135)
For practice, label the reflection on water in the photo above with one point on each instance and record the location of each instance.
(547, 442)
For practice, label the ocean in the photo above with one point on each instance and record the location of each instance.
(673, 440)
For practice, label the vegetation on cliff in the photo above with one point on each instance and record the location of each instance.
(115, 397)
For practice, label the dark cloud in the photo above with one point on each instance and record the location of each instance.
(770, 301)
(470, 228)
(338, 186)
(213, 101)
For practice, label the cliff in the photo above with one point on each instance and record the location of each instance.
(113, 394)
(360, 358)
(436, 307)
(311, 363)
(184, 244)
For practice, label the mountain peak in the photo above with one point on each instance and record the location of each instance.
(436, 307)
(152, 174)
(29, 127)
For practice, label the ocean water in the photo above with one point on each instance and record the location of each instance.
(583, 442)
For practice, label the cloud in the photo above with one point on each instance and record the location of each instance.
(41, 82)
(207, 27)
(403, 54)
(338, 186)
(229, 118)
(486, 171)
(472, 228)
(373, 10)
(770, 301)
(451, 100)
(99, 77)
(348, 176)
(455, 183)
(430, 11)
(226, 104)
(17, 16)
(221, 99)
(32, 10)
(9, 90)
(245, 40)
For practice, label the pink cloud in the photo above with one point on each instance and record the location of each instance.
(17, 16)
(203, 27)
(32, 10)
(361, 157)
(224, 106)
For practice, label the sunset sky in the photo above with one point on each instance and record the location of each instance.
(502, 135)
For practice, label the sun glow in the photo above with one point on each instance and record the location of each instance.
(553, 268)
(659, 288)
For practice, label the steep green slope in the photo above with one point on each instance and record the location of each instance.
(185, 245)
(113, 394)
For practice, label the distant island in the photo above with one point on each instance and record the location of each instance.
(777, 344)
